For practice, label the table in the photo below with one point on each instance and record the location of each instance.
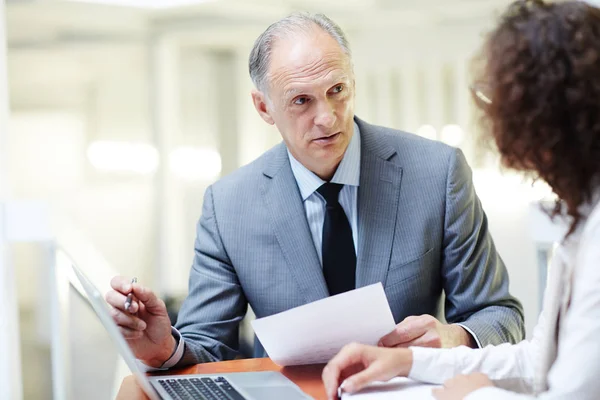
(307, 377)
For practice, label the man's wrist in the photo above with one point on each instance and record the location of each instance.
(165, 354)
(462, 337)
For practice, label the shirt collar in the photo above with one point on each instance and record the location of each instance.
(347, 173)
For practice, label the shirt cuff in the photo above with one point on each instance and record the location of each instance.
(466, 328)
(175, 357)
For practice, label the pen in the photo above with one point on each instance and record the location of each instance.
(130, 295)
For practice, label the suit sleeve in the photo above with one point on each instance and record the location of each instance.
(210, 315)
(475, 279)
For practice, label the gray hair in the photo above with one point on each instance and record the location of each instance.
(260, 55)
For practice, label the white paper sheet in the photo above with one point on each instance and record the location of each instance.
(315, 332)
(397, 388)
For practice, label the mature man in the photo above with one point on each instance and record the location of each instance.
(340, 204)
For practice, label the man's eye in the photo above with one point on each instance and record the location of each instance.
(300, 101)
(338, 88)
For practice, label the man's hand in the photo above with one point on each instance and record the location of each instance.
(460, 386)
(145, 325)
(426, 331)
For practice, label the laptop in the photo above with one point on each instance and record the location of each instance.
(268, 385)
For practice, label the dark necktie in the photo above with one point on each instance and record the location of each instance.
(339, 256)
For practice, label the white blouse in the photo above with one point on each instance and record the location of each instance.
(562, 360)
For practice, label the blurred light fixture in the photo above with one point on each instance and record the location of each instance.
(147, 4)
(427, 131)
(453, 135)
(123, 157)
(195, 163)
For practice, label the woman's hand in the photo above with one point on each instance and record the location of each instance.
(460, 386)
(357, 365)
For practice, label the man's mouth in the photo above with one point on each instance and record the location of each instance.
(328, 138)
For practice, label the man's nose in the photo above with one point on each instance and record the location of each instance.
(325, 115)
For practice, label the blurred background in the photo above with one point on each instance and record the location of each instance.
(123, 112)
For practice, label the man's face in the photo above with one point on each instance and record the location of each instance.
(310, 99)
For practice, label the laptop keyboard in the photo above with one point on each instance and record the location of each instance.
(200, 388)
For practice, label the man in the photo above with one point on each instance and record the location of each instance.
(340, 204)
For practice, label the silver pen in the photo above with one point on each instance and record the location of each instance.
(129, 298)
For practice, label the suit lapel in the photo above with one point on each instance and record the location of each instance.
(378, 198)
(288, 217)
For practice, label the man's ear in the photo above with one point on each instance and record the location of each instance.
(260, 103)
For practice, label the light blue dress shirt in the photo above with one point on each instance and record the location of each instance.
(347, 174)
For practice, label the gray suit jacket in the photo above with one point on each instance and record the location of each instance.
(422, 232)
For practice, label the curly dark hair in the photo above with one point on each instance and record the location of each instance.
(542, 99)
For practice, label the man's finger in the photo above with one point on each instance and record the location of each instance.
(127, 321)
(401, 334)
(133, 307)
(130, 334)
(406, 331)
(400, 340)
(121, 284)
(116, 299)
(147, 296)
(430, 338)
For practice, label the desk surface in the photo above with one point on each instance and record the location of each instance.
(307, 377)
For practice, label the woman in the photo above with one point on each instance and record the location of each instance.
(542, 105)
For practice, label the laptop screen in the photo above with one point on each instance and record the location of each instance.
(110, 338)
(93, 360)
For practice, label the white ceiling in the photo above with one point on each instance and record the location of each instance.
(38, 23)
